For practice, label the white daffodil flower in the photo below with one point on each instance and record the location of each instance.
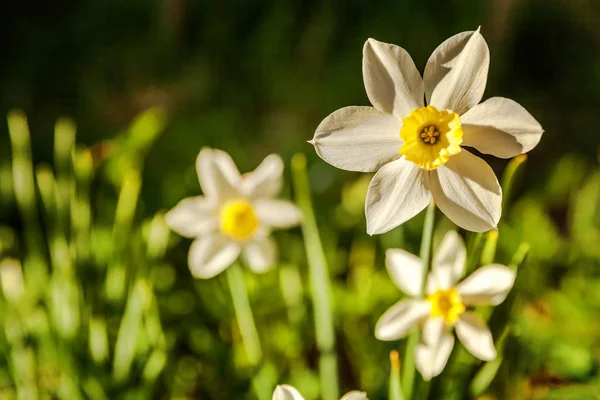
(235, 216)
(415, 148)
(445, 304)
(287, 392)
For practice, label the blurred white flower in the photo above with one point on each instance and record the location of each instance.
(234, 216)
(287, 392)
(416, 149)
(445, 304)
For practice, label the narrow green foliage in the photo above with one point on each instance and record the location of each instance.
(395, 386)
(509, 178)
(320, 282)
(129, 329)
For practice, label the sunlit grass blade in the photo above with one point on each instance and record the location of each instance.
(126, 344)
(60, 257)
(320, 283)
(36, 271)
(64, 142)
(124, 216)
(81, 211)
(98, 340)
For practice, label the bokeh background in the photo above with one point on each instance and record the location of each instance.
(148, 83)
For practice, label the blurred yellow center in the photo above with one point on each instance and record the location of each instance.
(446, 304)
(430, 137)
(238, 219)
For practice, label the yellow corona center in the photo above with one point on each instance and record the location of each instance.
(446, 304)
(238, 220)
(430, 137)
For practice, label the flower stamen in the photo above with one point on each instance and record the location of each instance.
(430, 137)
(238, 220)
(430, 134)
(446, 304)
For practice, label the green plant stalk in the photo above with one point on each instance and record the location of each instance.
(488, 252)
(395, 386)
(81, 213)
(509, 177)
(243, 313)
(115, 284)
(408, 376)
(64, 143)
(35, 268)
(247, 326)
(320, 283)
(131, 322)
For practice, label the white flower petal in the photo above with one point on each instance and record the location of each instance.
(218, 175)
(489, 284)
(433, 328)
(392, 81)
(260, 254)
(406, 270)
(358, 139)
(431, 360)
(277, 213)
(467, 191)
(266, 180)
(193, 216)
(500, 127)
(210, 255)
(399, 318)
(355, 395)
(286, 392)
(456, 73)
(451, 255)
(442, 276)
(397, 192)
(431, 285)
(475, 336)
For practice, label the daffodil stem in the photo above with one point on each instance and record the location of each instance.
(243, 313)
(409, 371)
(426, 242)
(320, 283)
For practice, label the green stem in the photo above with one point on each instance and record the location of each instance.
(395, 387)
(320, 283)
(248, 331)
(413, 340)
(243, 313)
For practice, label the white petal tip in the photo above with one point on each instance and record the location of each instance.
(311, 141)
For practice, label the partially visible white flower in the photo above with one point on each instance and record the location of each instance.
(445, 304)
(234, 216)
(416, 148)
(287, 392)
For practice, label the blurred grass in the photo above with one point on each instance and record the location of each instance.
(97, 301)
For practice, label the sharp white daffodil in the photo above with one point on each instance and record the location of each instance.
(416, 147)
(287, 392)
(235, 216)
(445, 304)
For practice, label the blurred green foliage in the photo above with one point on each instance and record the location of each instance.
(97, 301)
